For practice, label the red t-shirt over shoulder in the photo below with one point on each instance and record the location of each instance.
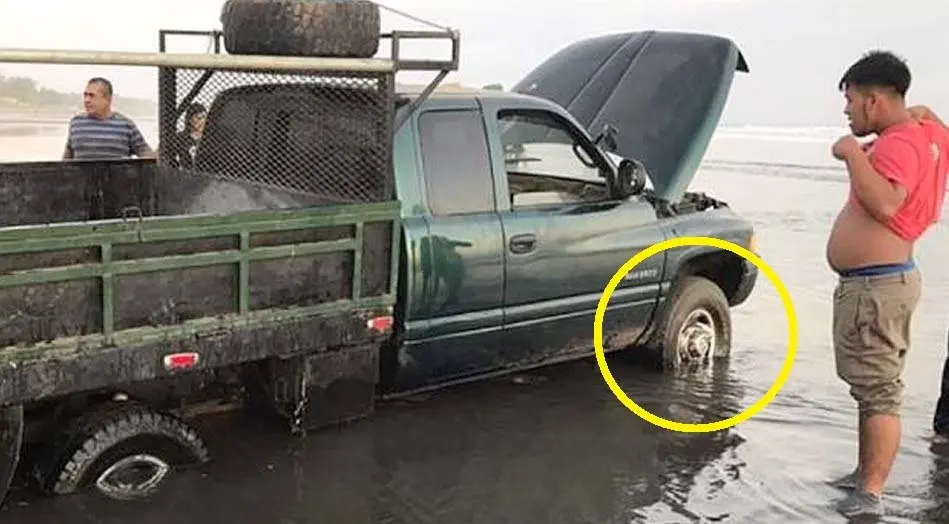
(916, 156)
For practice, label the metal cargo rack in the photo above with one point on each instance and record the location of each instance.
(218, 60)
(337, 143)
(223, 62)
(394, 64)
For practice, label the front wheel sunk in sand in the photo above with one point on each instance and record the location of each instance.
(694, 327)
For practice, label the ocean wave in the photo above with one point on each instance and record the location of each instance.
(786, 130)
(779, 169)
(797, 135)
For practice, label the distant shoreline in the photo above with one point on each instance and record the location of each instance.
(41, 116)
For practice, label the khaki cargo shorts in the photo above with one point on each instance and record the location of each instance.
(871, 327)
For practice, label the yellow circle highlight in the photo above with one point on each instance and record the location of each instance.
(684, 427)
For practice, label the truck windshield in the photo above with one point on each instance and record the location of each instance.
(552, 159)
(537, 143)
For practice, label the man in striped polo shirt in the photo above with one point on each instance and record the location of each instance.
(100, 133)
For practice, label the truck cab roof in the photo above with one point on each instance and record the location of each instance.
(407, 94)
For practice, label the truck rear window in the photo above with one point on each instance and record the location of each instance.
(325, 140)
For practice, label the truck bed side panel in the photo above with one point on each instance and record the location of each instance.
(127, 278)
(54, 373)
(166, 272)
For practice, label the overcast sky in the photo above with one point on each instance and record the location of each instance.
(797, 50)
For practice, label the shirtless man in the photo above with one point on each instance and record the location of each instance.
(897, 185)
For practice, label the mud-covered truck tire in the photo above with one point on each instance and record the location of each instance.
(323, 28)
(694, 325)
(116, 436)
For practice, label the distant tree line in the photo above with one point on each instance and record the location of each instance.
(24, 91)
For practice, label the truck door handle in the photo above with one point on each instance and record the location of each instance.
(523, 243)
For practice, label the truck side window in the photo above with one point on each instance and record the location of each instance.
(456, 162)
(545, 163)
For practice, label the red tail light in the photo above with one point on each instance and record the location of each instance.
(181, 361)
(380, 324)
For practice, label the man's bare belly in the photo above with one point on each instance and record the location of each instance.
(858, 240)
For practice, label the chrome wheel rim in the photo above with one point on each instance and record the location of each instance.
(111, 484)
(697, 338)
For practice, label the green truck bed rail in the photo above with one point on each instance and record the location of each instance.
(24, 275)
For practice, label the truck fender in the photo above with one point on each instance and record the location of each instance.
(700, 261)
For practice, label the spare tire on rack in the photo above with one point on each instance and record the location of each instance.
(325, 28)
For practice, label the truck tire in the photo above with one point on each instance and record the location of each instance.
(695, 325)
(326, 28)
(114, 437)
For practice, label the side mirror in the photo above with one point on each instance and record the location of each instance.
(630, 177)
(607, 137)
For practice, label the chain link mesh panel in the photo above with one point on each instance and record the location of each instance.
(327, 135)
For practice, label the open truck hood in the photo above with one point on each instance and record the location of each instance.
(663, 92)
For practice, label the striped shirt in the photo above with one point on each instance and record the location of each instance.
(113, 137)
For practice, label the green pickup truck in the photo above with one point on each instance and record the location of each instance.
(514, 218)
(334, 239)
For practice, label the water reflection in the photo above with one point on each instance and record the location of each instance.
(443, 270)
(937, 511)
(552, 447)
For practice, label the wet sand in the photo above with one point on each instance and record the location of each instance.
(559, 448)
